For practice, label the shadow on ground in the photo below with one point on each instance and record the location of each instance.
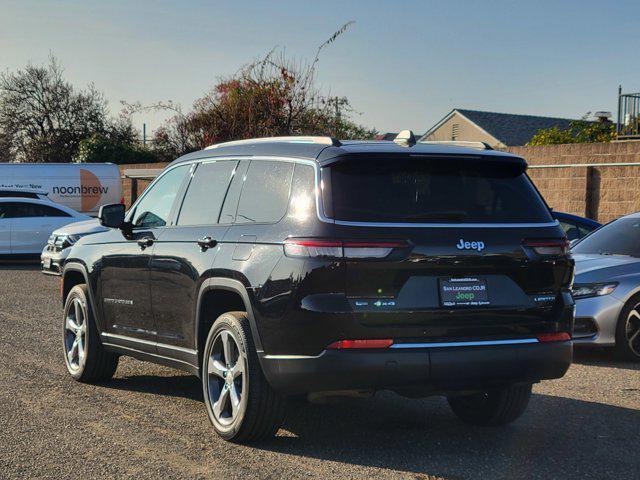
(7, 265)
(556, 437)
(183, 386)
(602, 357)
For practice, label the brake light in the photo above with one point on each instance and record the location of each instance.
(353, 344)
(557, 246)
(554, 337)
(340, 248)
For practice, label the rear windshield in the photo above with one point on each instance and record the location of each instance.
(434, 191)
(621, 237)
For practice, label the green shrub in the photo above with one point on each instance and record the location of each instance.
(100, 148)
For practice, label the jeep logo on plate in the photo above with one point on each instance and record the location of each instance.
(462, 245)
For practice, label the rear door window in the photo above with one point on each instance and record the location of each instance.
(206, 192)
(265, 192)
(7, 210)
(438, 190)
(31, 210)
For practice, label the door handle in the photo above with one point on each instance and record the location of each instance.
(145, 242)
(207, 242)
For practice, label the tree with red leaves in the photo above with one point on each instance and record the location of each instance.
(274, 96)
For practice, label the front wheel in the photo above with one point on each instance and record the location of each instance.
(241, 404)
(85, 357)
(628, 331)
(492, 407)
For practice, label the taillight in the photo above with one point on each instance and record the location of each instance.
(554, 337)
(297, 247)
(556, 246)
(353, 344)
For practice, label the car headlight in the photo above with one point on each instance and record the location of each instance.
(65, 241)
(585, 290)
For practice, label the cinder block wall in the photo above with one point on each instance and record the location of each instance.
(601, 193)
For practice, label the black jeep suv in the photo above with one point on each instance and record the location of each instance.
(310, 266)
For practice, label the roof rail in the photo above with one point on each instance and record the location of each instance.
(405, 138)
(459, 143)
(301, 139)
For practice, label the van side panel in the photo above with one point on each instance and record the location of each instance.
(82, 187)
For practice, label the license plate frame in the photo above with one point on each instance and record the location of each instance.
(460, 292)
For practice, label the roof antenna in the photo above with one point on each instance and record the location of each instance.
(405, 138)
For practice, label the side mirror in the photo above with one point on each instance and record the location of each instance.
(112, 216)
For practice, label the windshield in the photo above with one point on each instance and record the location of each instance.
(434, 191)
(620, 237)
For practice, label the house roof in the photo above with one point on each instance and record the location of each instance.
(325, 154)
(392, 135)
(508, 128)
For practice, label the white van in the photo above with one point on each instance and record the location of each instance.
(85, 187)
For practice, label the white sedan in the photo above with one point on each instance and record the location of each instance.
(26, 223)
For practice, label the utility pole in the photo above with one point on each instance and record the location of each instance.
(144, 134)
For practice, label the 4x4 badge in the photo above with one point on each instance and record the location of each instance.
(462, 245)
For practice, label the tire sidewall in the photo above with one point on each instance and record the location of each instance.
(78, 292)
(228, 322)
(622, 347)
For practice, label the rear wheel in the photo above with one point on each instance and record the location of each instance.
(85, 357)
(241, 404)
(492, 407)
(628, 331)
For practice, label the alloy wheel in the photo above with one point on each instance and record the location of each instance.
(632, 330)
(75, 330)
(226, 377)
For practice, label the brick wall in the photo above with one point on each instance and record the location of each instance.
(602, 193)
(142, 184)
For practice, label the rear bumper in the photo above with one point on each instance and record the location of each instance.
(438, 369)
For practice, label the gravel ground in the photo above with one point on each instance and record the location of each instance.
(150, 421)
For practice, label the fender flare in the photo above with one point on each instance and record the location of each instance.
(228, 284)
(79, 267)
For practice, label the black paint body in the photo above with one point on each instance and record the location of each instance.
(156, 301)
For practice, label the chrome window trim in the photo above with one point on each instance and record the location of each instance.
(478, 343)
(318, 198)
(446, 225)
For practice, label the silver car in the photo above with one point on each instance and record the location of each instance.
(607, 287)
(60, 242)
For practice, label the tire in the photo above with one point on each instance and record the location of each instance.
(493, 407)
(241, 405)
(628, 331)
(84, 356)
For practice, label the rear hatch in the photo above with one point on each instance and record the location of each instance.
(466, 247)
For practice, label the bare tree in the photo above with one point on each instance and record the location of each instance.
(275, 95)
(43, 118)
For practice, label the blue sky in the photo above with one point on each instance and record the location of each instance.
(403, 64)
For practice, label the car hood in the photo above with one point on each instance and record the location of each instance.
(84, 227)
(604, 268)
